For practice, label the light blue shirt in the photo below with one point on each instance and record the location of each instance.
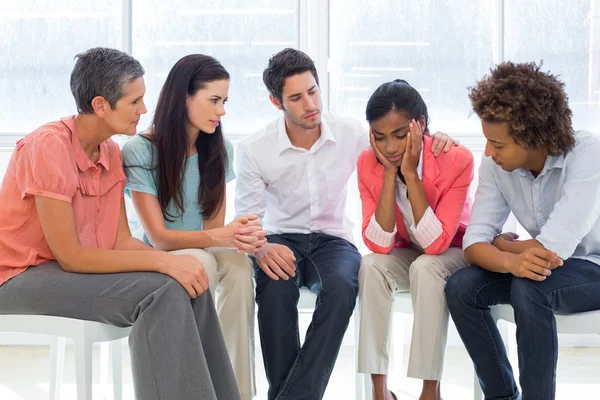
(560, 207)
(140, 165)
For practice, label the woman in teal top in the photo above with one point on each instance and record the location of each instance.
(176, 177)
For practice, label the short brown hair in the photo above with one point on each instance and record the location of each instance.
(533, 103)
(288, 62)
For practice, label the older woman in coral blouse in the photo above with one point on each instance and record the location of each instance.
(66, 249)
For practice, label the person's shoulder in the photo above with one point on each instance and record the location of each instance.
(48, 149)
(367, 159)
(55, 137)
(460, 156)
(228, 145)
(585, 152)
(343, 124)
(139, 148)
(228, 148)
(266, 133)
(586, 140)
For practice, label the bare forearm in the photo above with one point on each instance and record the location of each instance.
(103, 261)
(487, 256)
(385, 213)
(170, 239)
(132, 243)
(417, 197)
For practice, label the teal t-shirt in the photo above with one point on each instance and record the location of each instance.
(141, 177)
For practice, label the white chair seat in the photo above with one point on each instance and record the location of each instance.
(84, 334)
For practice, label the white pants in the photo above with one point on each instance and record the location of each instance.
(425, 276)
(230, 279)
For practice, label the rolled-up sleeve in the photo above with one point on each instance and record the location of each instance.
(578, 208)
(490, 210)
(375, 233)
(428, 230)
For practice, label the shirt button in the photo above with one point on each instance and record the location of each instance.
(537, 185)
(539, 214)
(95, 176)
(38, 191)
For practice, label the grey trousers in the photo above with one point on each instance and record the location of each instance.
(177, 349)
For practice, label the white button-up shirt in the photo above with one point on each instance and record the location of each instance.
(294, 190)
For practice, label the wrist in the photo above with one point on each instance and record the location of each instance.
(411, 176)
(508, 262)
(162, 264)
(261, 251)
(497, 242)
(390, 172)
(216, 237)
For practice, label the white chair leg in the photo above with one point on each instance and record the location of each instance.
(117, 368)
(477, 392)
(357, 377)
(57, 362)
(104, 348)
(83, 365)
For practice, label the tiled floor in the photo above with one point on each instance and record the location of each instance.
(24, 375)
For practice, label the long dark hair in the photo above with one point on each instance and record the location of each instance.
(170, 137)
(398, 96)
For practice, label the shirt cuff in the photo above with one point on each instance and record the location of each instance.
(378, 236)
(45, 193)
(428, 230)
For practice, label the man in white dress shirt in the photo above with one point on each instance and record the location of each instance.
(293, 174)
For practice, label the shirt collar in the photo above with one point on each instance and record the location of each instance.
(551, 163)
(284, 142)
(82, 159)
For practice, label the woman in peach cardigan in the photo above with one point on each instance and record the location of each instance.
(415, 208)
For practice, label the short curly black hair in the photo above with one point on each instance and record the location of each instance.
(533, 103)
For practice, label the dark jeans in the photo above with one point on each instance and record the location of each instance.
(572, 288)
(328, 266)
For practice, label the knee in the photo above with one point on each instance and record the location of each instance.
(206, 259)
(525, 295)
(270, 290)
(169, 290)
(459, 288)
(341, 291)
(427, 266)
(235, 266)
(369, 268)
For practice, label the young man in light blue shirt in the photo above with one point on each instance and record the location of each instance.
(548, 176)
